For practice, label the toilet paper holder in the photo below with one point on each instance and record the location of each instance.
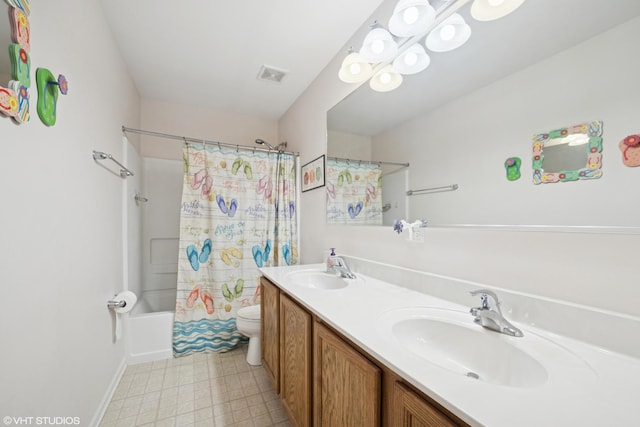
(122, 302)
(116, 304)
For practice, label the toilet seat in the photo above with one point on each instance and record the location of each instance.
(250, 313)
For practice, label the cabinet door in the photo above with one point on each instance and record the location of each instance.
(347, 386)
(410, 410)
(295, 361)
(270, 331)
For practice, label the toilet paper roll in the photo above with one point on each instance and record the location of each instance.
(130, 300)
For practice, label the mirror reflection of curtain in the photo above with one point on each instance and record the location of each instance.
(354, 192)
(238, 214)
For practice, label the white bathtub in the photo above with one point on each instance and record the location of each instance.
(151, 326)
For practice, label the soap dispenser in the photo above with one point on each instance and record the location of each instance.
(331, 262)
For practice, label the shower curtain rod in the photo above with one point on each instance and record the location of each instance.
(203, 141)
(406, 165)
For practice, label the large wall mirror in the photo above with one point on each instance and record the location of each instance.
(547, 65)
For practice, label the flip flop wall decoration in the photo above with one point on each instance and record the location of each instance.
(512, 166)
(14, 99)
(48, 88)
(630, 148)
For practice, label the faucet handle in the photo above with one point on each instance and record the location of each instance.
(484, 294)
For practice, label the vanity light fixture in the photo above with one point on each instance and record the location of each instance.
(489, 10)
(450, 35)
(411, 17)
(378, 45)
(412, 61)
(354, 68)
(385, 80)
(386, 55)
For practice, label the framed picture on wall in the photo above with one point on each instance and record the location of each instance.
(313, 174)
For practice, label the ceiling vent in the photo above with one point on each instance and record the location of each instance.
(271, 74)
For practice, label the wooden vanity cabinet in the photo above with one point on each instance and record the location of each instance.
(295, 361)
(324, 379)
(347, 386)
(270, 331)
(408, 409)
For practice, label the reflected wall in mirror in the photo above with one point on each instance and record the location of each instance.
(15, 67)
(460, 118)
(568, 154)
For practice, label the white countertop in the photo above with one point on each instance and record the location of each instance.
(602, 388)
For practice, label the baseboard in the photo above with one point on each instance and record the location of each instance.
(104, 404)
(151, 356)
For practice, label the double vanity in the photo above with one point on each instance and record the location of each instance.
(373, 351)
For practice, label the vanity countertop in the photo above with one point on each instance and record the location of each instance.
(609, 395)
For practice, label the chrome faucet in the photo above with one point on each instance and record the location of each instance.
(491, 317)
(337, 264)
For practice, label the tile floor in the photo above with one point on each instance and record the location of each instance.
(218, 389)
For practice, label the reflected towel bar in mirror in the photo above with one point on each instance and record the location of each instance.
(452, 187)
(99, 155)
(374, 162)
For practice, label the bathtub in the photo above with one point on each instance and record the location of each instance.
(151, 326)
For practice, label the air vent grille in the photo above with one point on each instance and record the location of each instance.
(271, 74)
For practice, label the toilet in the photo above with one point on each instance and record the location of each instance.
(248, 324)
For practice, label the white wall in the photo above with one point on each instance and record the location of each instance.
(195, 122)
(590, 269)
(61, 222)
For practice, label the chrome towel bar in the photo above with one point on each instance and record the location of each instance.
(433, 190)
(99, 155)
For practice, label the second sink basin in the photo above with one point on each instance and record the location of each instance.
(451, 340)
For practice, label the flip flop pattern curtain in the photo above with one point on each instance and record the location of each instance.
(354, 193)
(238, 214)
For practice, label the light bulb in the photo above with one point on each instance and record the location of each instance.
(385, 78)
(447, 32)
(410, 58)
(495, 3)
(355, 68)
(377, 47)
(410, 15)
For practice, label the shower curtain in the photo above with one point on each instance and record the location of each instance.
(354, 192)
(238, 214)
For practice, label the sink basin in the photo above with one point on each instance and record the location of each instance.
(316, 279)
(452, 341)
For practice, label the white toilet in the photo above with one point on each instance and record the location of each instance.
(248, 324)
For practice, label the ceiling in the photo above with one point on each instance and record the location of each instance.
(496, 49)
(208, 53)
